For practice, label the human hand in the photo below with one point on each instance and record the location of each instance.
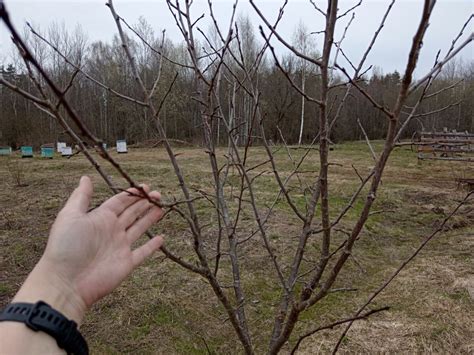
(89, 253)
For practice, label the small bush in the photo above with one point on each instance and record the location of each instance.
(16, 169)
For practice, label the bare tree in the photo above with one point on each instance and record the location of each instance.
(224, 71)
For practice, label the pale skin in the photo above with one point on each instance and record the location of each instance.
(87, 256)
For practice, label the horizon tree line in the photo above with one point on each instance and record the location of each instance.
(289, 117)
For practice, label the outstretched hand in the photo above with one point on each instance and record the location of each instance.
(90, 253)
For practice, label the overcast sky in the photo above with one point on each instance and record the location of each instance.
(390, 52)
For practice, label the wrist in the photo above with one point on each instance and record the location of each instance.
(47, 285)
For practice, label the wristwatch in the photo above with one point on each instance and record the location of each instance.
(40, 316)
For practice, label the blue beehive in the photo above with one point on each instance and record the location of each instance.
(5, 151)
(47, 152)
(26, 151)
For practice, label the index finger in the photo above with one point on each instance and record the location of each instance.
(81, 196)
(120, 202)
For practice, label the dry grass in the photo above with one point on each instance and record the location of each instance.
(163, 309)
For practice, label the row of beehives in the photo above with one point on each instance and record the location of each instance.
(48, 150)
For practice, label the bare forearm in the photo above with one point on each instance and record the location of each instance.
(41, 285)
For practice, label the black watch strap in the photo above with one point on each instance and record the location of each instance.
(40, 316)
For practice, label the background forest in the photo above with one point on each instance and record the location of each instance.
(283, 108)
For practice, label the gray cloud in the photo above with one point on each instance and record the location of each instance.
(390, 53)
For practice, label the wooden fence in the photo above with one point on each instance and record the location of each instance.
(445, 146)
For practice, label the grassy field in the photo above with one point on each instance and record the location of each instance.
(163, 309)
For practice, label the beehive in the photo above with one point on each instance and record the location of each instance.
(60, 146)
(66, 151)
(122, 146)
(5, 151)
(47, 150)
(26, 151)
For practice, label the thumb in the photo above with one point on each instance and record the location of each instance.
(81, 197)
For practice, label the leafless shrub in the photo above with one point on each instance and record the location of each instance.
(17, 171)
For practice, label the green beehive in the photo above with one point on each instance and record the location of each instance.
(47, 152)
(5, 151)
(26, 151)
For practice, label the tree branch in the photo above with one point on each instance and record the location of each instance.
(401, 267)
(335, 324)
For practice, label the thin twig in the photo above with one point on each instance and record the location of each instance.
(401, 267)
(335, 324)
